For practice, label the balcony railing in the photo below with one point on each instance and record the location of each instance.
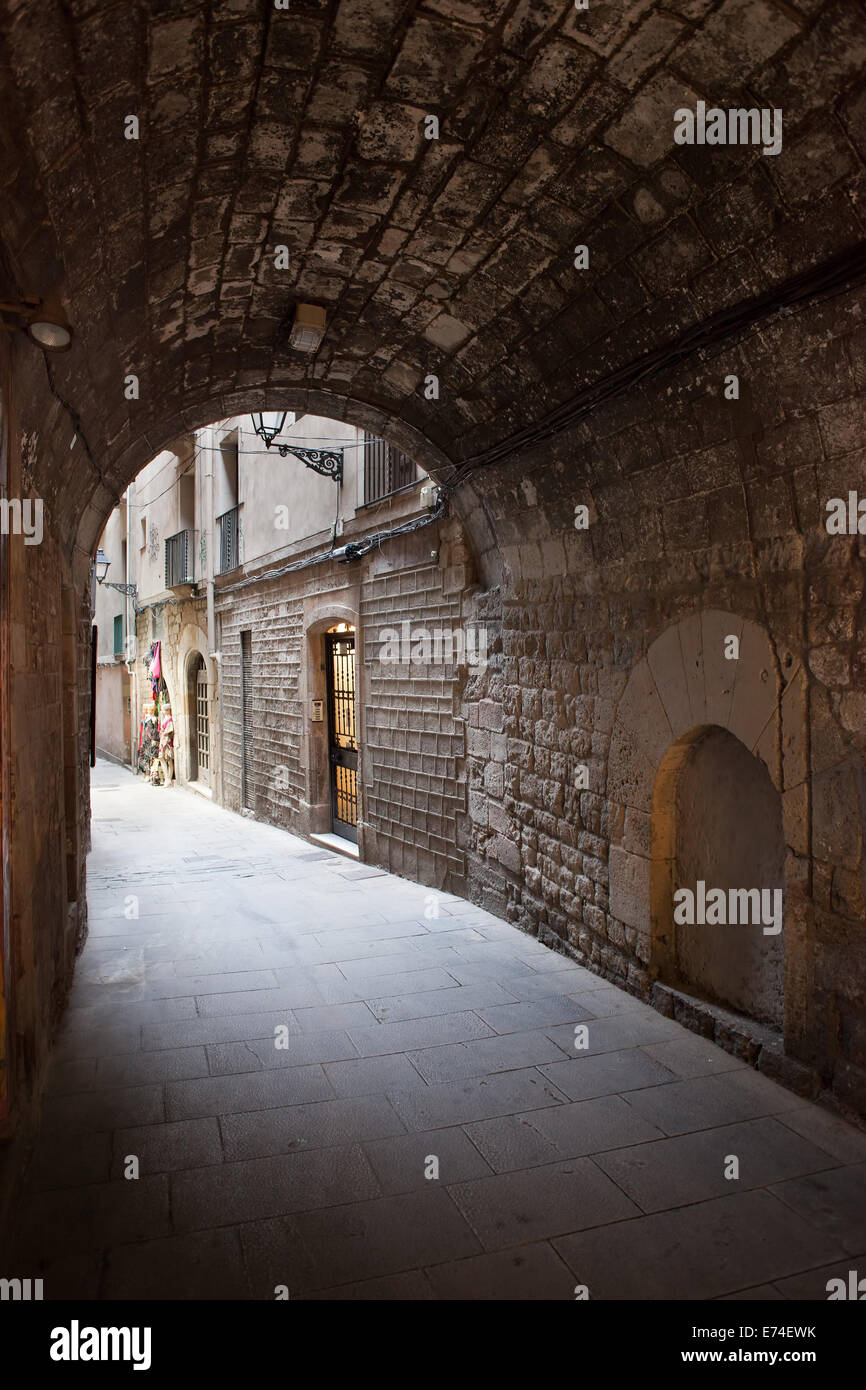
(178, 560)
(229, 528)
(386, 469)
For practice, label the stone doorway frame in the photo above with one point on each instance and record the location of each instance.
(680, 688)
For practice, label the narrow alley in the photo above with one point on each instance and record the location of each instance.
(338, 1084)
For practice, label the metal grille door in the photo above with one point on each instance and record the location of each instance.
(340, 665)
(202, 727)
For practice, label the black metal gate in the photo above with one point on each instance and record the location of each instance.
(342, 743)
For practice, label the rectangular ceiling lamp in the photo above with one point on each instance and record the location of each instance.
(308, 328)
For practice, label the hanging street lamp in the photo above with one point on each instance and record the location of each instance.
(268, 424)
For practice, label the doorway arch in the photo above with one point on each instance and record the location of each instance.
(717, 830)
(675, 697)
(198, 721)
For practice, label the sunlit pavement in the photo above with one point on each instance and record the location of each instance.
(427, 1129)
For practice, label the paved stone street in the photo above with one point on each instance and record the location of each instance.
(410, 1037)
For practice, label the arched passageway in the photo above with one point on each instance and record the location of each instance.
(633, 362)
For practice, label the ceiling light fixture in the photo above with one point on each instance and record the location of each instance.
(308, 328)
(43, 320)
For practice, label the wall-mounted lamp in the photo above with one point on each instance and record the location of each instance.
(101, 564)
(43, 320)
(329, 462)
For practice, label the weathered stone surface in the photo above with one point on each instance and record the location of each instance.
(456, 257)
(630, 895)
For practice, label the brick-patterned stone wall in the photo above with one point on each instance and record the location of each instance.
(414, 739)
(273, 613)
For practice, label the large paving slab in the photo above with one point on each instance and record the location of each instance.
(325, 1087)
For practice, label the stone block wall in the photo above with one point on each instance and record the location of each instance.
(45, 803)
(706, 517)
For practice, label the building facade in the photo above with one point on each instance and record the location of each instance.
(310, 662)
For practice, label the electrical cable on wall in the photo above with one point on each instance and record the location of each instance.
(74, 417)
(830, 280)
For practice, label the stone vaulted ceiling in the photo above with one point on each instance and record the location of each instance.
(304, 127)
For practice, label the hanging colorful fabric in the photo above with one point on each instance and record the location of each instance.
(156, 669)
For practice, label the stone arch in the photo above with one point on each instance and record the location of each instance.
(85, 514)
(198, 325)
(681, 689)
(717, 816)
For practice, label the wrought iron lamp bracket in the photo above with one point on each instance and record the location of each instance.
(131, 590)
(328, 462)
